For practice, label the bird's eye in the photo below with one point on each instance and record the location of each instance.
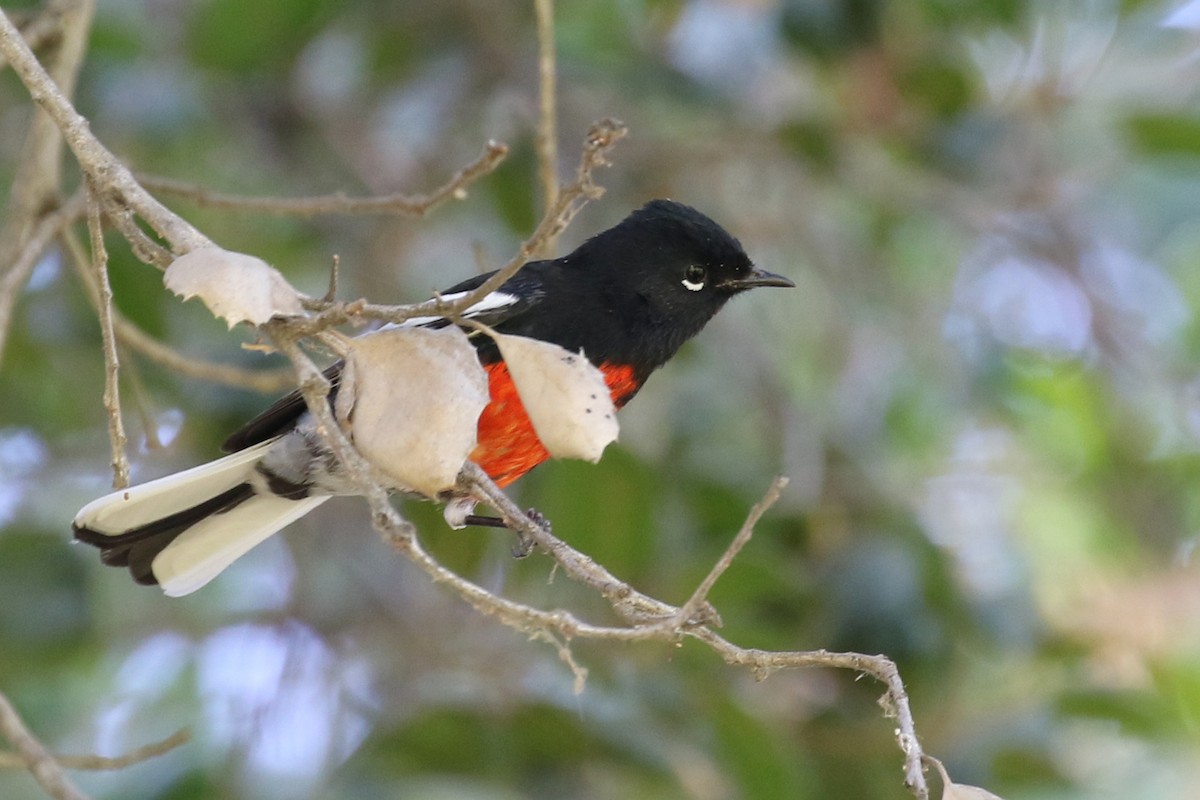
(694, 277)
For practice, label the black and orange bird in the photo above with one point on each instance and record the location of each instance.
(627, 298)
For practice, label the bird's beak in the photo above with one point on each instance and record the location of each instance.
(758, 277)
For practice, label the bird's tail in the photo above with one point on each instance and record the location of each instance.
(182, 530)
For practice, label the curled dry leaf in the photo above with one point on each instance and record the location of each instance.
(566, 397)
(959, 791)
(234, 286)
(411, 400)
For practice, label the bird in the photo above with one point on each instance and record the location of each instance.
(627, 299)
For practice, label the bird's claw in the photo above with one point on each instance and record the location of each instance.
(526, 543)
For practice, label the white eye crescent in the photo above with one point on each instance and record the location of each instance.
(694, 277)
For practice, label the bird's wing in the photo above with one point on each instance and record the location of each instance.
(279, 416)
(513, 299)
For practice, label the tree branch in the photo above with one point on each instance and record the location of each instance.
(109, 763)
(144, 248)
(894, 701)
(696, 603)
(112, 364)
(410, 205)
(547, 133)
(33, 754)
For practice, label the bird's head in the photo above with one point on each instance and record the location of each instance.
(678, 262)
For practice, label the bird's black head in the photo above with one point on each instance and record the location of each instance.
(670, 268)
(686, 259)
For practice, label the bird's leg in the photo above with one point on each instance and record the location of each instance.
(484, 521)
(524, 544)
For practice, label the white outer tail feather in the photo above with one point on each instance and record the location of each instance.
(201, 552)
(126, 509)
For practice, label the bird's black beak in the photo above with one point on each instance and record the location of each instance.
(757, 277)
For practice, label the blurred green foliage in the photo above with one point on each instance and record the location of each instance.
(983, 391)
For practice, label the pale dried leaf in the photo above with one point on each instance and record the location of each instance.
(959, 791)
(234, 286)
(412, 398)
(565, 395)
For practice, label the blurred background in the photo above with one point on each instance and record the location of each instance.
(984, 391)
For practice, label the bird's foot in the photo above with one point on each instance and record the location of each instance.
(525, 543)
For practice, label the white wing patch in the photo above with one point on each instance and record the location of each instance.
(490, 302)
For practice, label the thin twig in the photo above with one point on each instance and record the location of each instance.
(331, 292)
(455, 188)
(45, 770)
(112, 364)
(144, 248)
(688, 611)
(567, 657)
(883, 669)
(547, 132)
(109, 763)
(143, 405)
(270, 381)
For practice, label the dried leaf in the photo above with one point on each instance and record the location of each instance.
(959, 791)
(566, 397)
(412, 398)
(234, 286)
